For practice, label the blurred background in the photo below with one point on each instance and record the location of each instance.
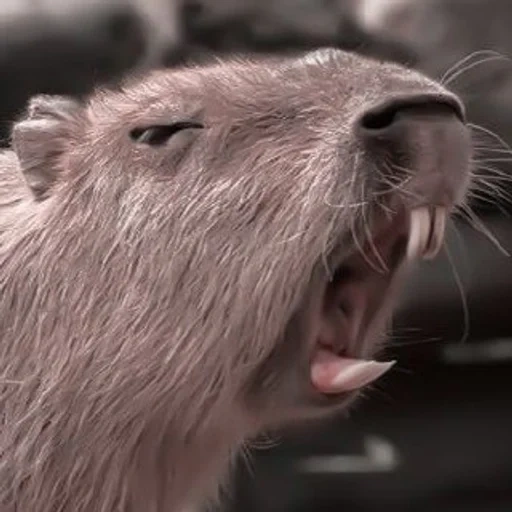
(437, 433)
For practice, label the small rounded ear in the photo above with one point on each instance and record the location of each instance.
(40, 138)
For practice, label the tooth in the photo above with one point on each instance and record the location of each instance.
(437, 235)
(418, 233)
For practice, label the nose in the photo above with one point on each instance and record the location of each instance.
(423, 137)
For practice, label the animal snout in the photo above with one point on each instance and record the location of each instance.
(394, 116)
(422, 139)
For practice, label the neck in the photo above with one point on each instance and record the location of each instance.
(91, 423)
(102, 408)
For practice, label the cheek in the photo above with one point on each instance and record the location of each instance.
(280, 381)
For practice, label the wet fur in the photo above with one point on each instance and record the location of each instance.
(148, 293)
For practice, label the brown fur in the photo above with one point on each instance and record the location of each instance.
(155, 299)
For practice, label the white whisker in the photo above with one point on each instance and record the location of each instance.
(456, 67)
(470, 67)
(464, 302)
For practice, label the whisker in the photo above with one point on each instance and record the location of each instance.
(325, 253)
(484, 198)
(488, 188)
(479, 225)
(488, 149)
(402, 369)
(493, 185)
(471, 66)
(349, 206)
(492, 174)
(397, 331)
(401, 168)
(353, 227)
(391, 186)
(380, 392)
(455, 67)
(463, 298)
(371, 243)
(495, 136)
(412, 343)
(369, 239)
(492, 160)
(459, 243)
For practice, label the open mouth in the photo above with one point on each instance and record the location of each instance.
(357, 299)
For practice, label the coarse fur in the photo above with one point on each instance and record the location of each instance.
(156, 299)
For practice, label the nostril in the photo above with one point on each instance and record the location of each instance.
(378, 120)
(386, 115)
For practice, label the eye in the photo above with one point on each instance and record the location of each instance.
(157, 135)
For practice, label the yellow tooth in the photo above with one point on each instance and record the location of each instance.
(419, 232)
(436, 238)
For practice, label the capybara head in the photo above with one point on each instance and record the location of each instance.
(206, 253)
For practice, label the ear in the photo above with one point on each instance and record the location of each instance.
(40, 139)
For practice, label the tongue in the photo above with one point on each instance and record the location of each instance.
(333, 374)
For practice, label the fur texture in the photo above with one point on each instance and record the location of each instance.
(155, 299)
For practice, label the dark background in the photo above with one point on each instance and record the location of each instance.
(436, 434)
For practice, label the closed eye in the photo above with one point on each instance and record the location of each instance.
(157, 135)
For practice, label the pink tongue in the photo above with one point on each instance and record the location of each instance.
(334, 374)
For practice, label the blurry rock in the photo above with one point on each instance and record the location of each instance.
(41, 53)
(160, 17)
(71, 46)
(247, 26)
(164, 28)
